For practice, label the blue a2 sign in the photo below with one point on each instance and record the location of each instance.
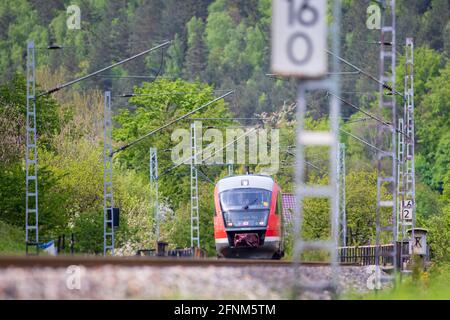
(299, 38)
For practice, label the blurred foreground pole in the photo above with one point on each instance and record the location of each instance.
(299, 44)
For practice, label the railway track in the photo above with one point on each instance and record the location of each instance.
(156, 278)
(65, 261)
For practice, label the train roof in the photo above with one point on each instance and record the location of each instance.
(245, 181)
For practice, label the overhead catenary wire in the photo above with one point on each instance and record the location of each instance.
(227, 127)
(363, 141)
(360, 109)
(358, 71)
(54, 47)
(365, 73)
(213, 154)
(171, 122)
(357, 120)
(361, 93)
(309, 163)
(132, 77)
(231, 119)
(162, 93)
(232, 142)
(353, 136)
(275, 76)
(199, 170)
(356, 138)
(59, 87)
(31, 81)
(366, 113)
(161, 65)
(371, 116)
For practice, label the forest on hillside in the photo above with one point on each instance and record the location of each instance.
(218, 45)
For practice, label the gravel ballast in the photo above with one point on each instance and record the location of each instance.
(174, 282)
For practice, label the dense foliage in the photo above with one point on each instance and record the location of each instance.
(217, 45)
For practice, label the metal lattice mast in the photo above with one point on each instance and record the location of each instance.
(31, 160)
(195, 217)
(304, 139)
(400, 173)
(154, 188)
(342, 203)
(230, 169)
(31, 189)
(410, 129)
(408, 196)
(386, 136)
(108, 201)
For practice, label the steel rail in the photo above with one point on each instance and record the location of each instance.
(142, 261)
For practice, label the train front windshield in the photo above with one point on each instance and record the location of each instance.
(244, 208)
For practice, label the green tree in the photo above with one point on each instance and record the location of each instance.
(428, 201)
(439, 236)
(432, 113)
(145, 31)
(162, 101)
(196, 55)
(110, 39)
(175, 53)
(18, 23)
(433, 121)
(13, 104)
(12, 171)
(433, 24)
(361, 195)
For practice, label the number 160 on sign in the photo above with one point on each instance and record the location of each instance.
(299, 38)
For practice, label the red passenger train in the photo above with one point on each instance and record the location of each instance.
(248, 218)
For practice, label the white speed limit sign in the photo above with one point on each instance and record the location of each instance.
(407, 210)
(299, 38)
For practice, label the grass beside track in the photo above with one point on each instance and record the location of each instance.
(434, 284)
(12, 240)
